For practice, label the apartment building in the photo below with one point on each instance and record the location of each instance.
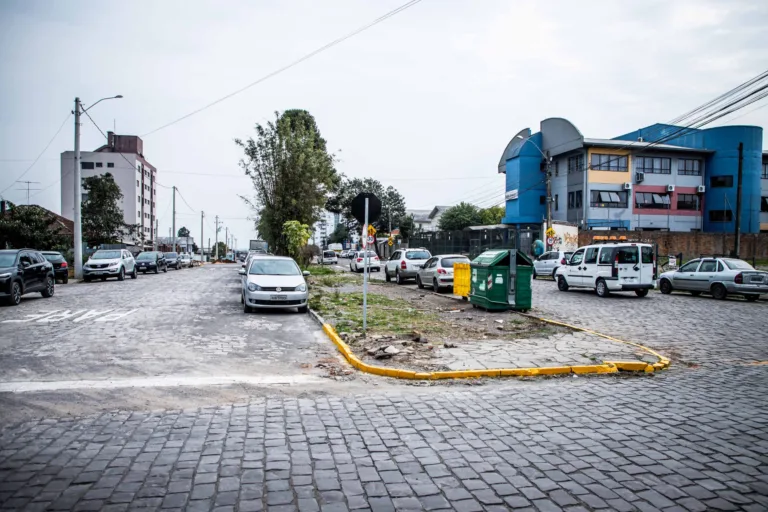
(688, 182)
(123, 157)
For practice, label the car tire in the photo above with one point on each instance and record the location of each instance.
(165, 270)
(665, 286)
(157, 270)
(246, 308)
(242, 299)
(14, 299)
(303, 310)
(718, 291)
(418, 282)
(398, 278)
(554, 275)
(50, 287)
(87, 279)
(562, 284)
(121, 275)
(65, 280)
(435, 286)
(135, 274)
(601, 287)
(751, 297)
(641, 293)
(535, 275)
(387, 277)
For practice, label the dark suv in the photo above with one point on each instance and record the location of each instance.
(151, 261)
(172, 260)
(24, 271)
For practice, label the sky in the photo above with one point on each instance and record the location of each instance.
(425, 101)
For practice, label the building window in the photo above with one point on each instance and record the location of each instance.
(653, 165)
(601, 162)
(542, 199)
(99, 164)
(110, 164)
(764, 175)
(575, 163)
(608, 199)
(86, 165)
(764, 204)
(557, 202)
(137, 183)
(139, 198)
(689, 167)
(721, 181)
(688, 202)
(577, 194)
(720, 216)
(652, 200)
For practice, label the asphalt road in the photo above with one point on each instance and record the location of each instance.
(692, 438)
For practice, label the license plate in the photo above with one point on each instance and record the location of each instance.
(757, 279)
(278, 297)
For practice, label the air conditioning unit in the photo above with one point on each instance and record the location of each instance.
(670, 188)
(627, 186)
(701, 189)
(639, 177)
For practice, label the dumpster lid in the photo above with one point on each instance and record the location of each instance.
(498, 257)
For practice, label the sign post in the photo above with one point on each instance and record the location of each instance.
(366, 207)
(365, 271)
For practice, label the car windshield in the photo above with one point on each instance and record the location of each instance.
(54, 258)
(7, 259)
(738, 265)
(171, 255)
(329, 254)
(448, 262)
(417, 255)
(371, 254)
(106, 255)
(274, 268)
(149, 256)
(568, 255)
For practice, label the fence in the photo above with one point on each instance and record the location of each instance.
(474, 242)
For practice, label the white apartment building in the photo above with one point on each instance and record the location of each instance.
(123, 157)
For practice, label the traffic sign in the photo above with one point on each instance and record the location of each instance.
(550, 241)
(358, 207)
(370, 239)
(371, 230)
(551, 232)
(390, 242)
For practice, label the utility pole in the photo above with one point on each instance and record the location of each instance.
(202, 216)
(549, 194)
(157, 226)
(226, 238)
(78, 235)
(737, 245)
(216, 243)
(174, 219)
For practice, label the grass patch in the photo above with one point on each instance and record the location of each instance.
(336, 280)
(320, 270)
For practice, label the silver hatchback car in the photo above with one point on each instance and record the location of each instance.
(437, 271)
(718, 277)
(273, 282)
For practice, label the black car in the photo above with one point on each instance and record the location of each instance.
(172, 260)
(60, 265)
(151, 261)
(24, 271)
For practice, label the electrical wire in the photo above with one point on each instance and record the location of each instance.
(40, 155)
(296, 62)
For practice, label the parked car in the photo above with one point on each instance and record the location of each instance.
(328, 258)
(25, 271)
(357, 262)
(548, 263)
(274, 282)
(107, 263)
(185, 260)
(405, 264)
(718, 277)
(343, 254)
(60, 265)
(610, 267)
(172, 260)
(437, 271)
(151, 261)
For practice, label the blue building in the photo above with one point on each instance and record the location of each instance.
(662, 177)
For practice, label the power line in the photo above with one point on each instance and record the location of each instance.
(38, 156)
(296, 62)
(457, 178)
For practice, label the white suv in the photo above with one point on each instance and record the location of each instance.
(405, 264)
(548, 263)
(106, 263)
(610, 267)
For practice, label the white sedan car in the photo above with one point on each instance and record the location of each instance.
(357, 262)
(274, 282)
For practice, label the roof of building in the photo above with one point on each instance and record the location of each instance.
(419, 215)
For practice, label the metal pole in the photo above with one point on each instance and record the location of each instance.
(549, 201)
(216, 243)
(365, 270)
(737, 245)
(173, 227)
(157, 226)
(202, 216)
(78, 235)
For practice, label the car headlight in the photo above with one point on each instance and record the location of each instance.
(253, 287)
(302, 288)
(3, 276)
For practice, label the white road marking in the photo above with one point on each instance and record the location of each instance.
(57, 316)
(163, 381)
(114, 316)
(61, 316)
(30, 318)
(93, 313)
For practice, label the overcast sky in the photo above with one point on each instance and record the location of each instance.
(425, 101)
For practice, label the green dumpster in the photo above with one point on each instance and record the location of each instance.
(501, 280)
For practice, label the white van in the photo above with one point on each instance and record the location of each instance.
(329, 258)
(610, 267)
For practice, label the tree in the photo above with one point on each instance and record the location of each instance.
(340, 233)
(195, 248)
(459, 217)
(183, 232)
(492, 215)
(102, 217)
(222, 250)
(392, 203)
(406, 227)
(32, 226)
(292, 174)
(296, 237)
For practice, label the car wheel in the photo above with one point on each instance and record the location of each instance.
(535, 275)
(242, 300)
(435, 286)
(87, 279)
(665, 286)
(246, 308)
(50, 287)
(554, 275)
(135, 274)
(387, 278)
(14, 299)
(165, 269)
(562, 284)
(418, 282)
(751, 297)
(719, 292)
(303, 310)
(157, 270)
(398, 278)
(65, 280)
(121, 275)
(641, 293)
(602, 288)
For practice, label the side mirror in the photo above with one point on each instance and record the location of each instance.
(241, 271)
(25, 264)
(306, 273)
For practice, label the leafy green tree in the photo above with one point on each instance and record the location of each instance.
(492, 215)
(459, 217)
(34, 227)
(406, 227)
(340, 233)
(222, 250)
(292, 174)
(296, 237)
(392, 203)
(183, 232)
(102, 217)
(195, 248)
